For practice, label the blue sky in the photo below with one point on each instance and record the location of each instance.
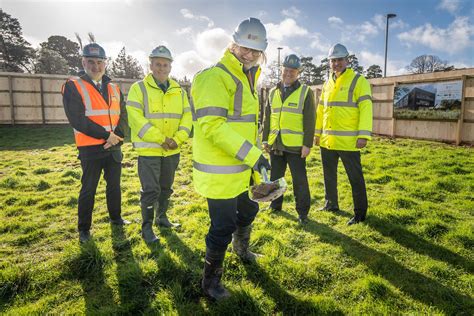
(198, 31)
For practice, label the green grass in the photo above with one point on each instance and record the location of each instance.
(427, 114)
(413, 255)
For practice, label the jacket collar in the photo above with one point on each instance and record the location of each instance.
(105, 79)
(149, 80)
(236, 68)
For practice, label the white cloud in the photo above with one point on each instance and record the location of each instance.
(184, 30)
(188, 64)
(319, 43)
(449, 5)
(394, 67)
(335, 21)
(211, 43)
(395, 23)
(189, 15)
(292, 12)
(456, 37)
(286, 28)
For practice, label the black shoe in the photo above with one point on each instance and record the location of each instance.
(303, 221)
(120, 222)
(164, 222)
(84, 236)
(353, 221)
(329, 209)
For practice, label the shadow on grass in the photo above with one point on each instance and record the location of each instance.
(410, 240)
(35, 137)
(134, 291)
(284, 301)
(87, 268)
(416, 285)
(181, 282)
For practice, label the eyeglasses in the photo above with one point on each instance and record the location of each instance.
(246, 50)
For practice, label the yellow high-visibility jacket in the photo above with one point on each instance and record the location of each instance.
(225, 116)
(154, 115)
(344, 112)
(287, 117)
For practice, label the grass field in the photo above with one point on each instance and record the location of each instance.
(414, 254)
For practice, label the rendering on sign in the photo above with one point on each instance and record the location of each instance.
(428, 101)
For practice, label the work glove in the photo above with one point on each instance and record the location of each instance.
(262, 162)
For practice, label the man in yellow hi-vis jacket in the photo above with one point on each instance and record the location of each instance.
(288, 133)
(343, 127)
(160, 121)
(225, 114)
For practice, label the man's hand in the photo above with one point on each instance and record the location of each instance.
(316, 140)
(113, 139)
(262, 162)
(266, 147)
(361, 143)
(305, 151)
(171, 143)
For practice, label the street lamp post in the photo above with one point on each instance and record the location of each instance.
(389, 16)
(279, 49)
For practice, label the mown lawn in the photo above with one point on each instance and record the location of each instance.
(413, 255)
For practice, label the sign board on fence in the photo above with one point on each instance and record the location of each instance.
(428, 101)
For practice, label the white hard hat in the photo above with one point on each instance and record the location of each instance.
(338, 51)
(161, 51)
(251, 34)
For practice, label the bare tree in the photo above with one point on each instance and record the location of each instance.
(428, 63)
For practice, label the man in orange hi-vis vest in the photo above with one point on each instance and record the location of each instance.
(96, 110)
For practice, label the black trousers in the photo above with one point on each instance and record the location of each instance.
(352, 164)
(300, 180)
(226, 215)
(156, 175)
(91, 171)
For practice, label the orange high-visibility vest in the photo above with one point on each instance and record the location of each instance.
(106, 114)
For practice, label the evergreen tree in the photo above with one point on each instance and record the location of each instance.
(126, 66)
(15, 52)
(68, 49)
(373, 71)
(50, 62)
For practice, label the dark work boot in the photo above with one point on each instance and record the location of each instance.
(147, 224)
(212, 274)
(240, 244)
(161, 218)
(84, 236)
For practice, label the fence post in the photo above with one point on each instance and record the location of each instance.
(461, 115)
(12, 106)
(394, 121)
(43, 114)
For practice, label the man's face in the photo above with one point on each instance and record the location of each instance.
(289, 76)
(94, 67)
(338, 65)
(161, 68)
(247, 56)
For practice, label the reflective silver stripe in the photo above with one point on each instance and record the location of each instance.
(144, 129)
(275, 131)
(244, 150)
(342, 103)
(186, 110)
(102, 112)
(249, 118)
(184, 128)
(219, 169)
(347, 133)
(363, 98)
(134, 104)
(351, 88)
(272, 94)
(182, 97)
(146, 107)
(365, 133)
(276, 110)
(114, 91)
(146, 145)
(211, 111)
(290, 110)
(193, 112)
(289, 131)
(238, 96)
(163, 115)
(85, 94)
(317, 131)
(302, 97)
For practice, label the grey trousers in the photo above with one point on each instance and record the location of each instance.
(156, 175)
(352, 164)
